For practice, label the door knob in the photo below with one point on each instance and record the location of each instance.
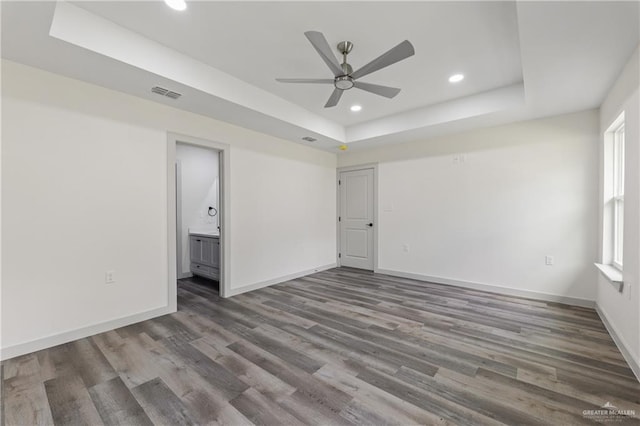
(369, 224)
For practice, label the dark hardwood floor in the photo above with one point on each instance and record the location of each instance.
(337, 347)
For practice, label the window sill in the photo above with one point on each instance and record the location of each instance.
(612, 274)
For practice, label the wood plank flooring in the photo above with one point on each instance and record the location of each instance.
(339, 347)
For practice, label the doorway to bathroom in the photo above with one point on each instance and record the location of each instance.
(197, 218)
(197, 214)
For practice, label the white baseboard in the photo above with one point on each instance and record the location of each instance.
(576, 301)
(634, 363)
(256, 286)
(69, 336)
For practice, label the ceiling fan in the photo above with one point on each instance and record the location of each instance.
(344, 76)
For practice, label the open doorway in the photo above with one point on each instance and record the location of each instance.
(198, 219)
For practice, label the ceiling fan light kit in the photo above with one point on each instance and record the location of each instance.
(344, 76)
(343, 82)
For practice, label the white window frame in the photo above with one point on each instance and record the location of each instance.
(613, 213)
(617, 199)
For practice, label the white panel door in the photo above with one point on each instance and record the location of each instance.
(356, 219)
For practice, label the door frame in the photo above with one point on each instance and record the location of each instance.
(224, 212)
(339, 170)
(179, 273)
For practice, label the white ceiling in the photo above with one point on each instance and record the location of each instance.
(521, 59)
(260, 42)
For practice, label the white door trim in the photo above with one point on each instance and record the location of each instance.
(339, 170)
(179, 220)
(224, 213)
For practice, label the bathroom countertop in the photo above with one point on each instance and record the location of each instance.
(204, 232)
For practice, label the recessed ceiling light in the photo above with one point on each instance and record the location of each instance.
(355, 108)
(176, 4)
(456, 78)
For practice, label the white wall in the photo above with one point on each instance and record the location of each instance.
(84, 188)
(523, 191)
(199, 181)
(622, 310)
(283, 215)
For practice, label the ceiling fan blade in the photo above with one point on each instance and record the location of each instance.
(395, 54)
(322, 47)
(334, 98)
(386, 91)
(306, 80)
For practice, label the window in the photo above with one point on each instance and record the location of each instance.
(617, 199)
(613, 203)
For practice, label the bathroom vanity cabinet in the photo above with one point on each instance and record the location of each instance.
(205, 255)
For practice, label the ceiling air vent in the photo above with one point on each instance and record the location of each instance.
(159, 90)
(165, 92)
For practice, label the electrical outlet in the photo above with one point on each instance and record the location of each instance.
(405, 248)
(459, 158)
(109, 277)
(549, 260)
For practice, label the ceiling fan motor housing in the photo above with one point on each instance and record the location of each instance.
(346, 68)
